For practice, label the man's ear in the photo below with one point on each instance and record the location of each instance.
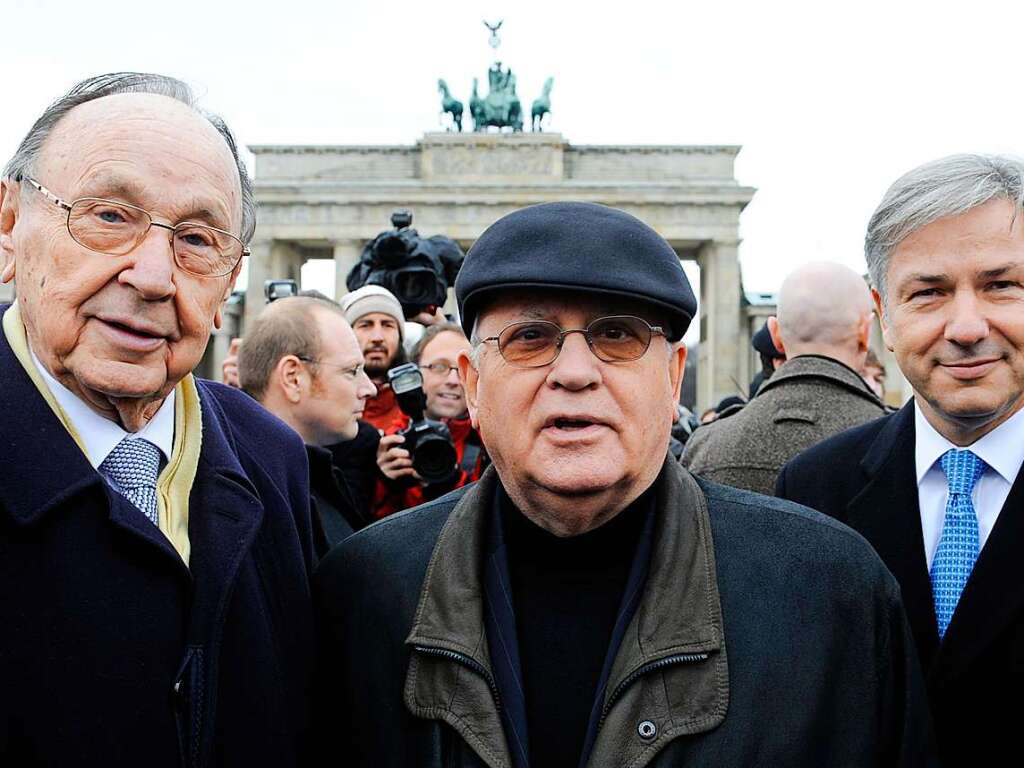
(880, 311)
(218, 315)
(290, 378)
(470, 378)
(676, 371)
(864, 332)
(776, 333)
(8, 218)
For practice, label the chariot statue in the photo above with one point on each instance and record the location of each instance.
(501, 107)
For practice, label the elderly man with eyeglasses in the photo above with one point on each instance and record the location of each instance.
(589, 602)
(155, 540)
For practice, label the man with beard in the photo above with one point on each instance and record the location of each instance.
(377, 319)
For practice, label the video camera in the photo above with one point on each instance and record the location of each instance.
(429, 442)
(415, 269)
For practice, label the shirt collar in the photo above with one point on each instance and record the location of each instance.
(1002, 448)
(101, 435)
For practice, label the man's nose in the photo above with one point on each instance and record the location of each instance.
(967, 323)
(367, 389)
(151, 267)
(576, 366)
(452, 377)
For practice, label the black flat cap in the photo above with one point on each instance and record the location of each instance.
(763, 344)
(581, 247)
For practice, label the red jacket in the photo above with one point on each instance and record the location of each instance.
(395, 495)
(382, 411)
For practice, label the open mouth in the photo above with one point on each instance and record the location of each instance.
(573, 424)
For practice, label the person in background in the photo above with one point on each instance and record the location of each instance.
(437, 353)
(823, 326)
(589, 601)
(377, 319)
(302, 362)
(874, 374)
(155, 535)
(771, 357)
(937, 487)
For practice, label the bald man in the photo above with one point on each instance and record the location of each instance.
(823, 326)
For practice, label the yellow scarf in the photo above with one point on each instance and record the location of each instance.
(175, 482)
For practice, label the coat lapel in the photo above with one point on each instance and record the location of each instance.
(44, 471)
(887, 513)
(225, 514)
(994, 594)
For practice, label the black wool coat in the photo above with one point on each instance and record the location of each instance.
(765, 635)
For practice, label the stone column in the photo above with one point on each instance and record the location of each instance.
(346, 254)
(719, 369)
(260, 270)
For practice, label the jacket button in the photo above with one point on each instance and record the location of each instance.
(647, 730)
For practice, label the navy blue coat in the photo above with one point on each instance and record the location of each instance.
(866, 477)
(112, 652)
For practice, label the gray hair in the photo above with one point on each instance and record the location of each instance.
(947, 187)
(21, 165)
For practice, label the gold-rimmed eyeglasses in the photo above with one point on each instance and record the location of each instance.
(613, 339)
(116, 228)
(349, 371)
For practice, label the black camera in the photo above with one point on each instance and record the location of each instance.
(428, 441)
(417, 270)
(280, 289)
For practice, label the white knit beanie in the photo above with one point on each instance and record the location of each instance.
(373, 298)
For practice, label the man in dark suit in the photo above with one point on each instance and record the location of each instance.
(155, 544)
(937, 487)
(302, 362)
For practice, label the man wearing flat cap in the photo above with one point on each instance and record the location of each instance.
(155, 542)
(588, 602)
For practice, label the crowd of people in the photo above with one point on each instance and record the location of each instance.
(495, 538)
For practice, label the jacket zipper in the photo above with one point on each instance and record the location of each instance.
(668, 661)
(466, 661)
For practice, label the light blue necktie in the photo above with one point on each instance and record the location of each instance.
(959, 544)
(134, 466)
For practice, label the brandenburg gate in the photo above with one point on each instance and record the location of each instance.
(327, 202)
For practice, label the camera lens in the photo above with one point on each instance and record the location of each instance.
(434, 458)
(416, 287)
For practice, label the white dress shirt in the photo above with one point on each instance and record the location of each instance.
(101, 435)
(1002, 450)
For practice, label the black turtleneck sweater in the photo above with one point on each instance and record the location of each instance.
(567, 594)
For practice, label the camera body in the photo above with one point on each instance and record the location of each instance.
(280, 289)
(415, 269)
(429, 442)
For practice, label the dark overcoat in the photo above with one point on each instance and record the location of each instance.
(809, 398)
(112, 651)
(765, 634)
(866, 478)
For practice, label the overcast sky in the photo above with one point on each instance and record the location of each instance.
(830, 101)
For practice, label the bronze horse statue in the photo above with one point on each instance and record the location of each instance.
(542, 106)
(450, 104)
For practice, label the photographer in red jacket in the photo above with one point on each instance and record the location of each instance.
(400, 486)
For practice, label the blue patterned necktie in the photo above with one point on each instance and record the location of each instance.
(959, 544)
(134, 465)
